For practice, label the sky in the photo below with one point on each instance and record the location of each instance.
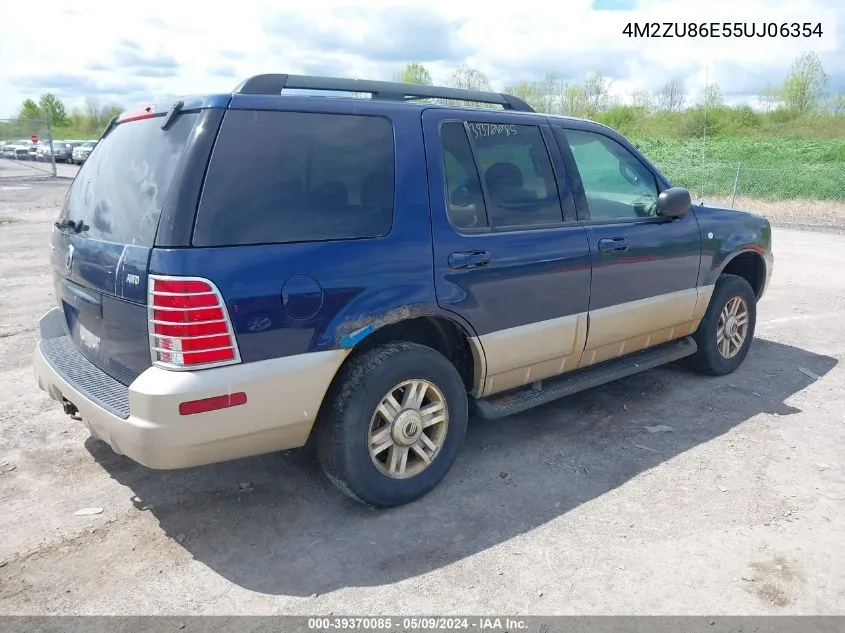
(134, 53)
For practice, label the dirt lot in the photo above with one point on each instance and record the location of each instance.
(573, 508)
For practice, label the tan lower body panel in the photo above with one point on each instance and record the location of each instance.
(521, 355)
(637, 325)
(283, 398)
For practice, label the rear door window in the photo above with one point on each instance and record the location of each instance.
(119, 191)
(464, 196)
(512, 161)
(517, 171)
(277, 177)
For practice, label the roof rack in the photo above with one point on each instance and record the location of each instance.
(273, 84)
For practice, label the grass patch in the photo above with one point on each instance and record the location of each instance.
(770, 167)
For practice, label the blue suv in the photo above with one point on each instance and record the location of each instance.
(243, 273)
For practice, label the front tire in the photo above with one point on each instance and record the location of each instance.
(392, 424)
(727, 329)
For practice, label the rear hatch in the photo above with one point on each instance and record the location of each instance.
(102, 241)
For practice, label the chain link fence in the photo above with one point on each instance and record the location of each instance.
(26, 149)
(803, 194)
(808, 181)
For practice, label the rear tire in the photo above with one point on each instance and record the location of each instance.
(727, 329)
(392, 424)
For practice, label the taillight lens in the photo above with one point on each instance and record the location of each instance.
(189, 324)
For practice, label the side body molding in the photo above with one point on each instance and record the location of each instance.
(520, 355)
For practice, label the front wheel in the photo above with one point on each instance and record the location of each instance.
(727, 329)
(392, 424)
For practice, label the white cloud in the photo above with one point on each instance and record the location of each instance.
(137, 52)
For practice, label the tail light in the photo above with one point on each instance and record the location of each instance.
(189, 324)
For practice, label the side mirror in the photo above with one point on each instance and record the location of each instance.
(674, 202)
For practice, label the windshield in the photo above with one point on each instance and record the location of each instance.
(119, 192)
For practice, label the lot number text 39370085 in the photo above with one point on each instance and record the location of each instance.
(723, 29)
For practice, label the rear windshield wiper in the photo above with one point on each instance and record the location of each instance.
(170, 117)
(110, 126)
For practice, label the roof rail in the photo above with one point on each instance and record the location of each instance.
(388, 90)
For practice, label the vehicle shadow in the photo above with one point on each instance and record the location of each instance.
(274, 524)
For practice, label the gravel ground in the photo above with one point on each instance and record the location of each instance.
(812, 215)
(572, 508)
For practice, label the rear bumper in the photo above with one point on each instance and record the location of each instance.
(142, 421)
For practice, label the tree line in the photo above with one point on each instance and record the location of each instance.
(802, 92)
(91, 118)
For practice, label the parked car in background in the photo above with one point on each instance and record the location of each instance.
(81, 152)
(17, 150)
(62, 151)
(42, 151)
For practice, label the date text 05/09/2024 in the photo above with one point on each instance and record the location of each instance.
(723, 29)
(421, 623)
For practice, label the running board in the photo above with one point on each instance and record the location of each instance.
(530, 396)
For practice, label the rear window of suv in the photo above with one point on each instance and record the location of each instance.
(119, 191)
(278, 177)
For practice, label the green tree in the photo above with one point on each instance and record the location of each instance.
(93, 110)
(711, 96)
(414, 73)
(97, 115)
(835, 105)
(642, 99)
(527, 91)
(550, 93)
(596, 93)
(769, 97)
(805, 84)
(544, 95)
(469, 78)
(111, 110)
(30, 110)
(671, 97)
(574, 100)
(54, 108)
(77, 119)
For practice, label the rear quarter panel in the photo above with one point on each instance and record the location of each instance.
(363, 284)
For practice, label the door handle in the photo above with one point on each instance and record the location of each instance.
(468, 259)
(613, 244)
